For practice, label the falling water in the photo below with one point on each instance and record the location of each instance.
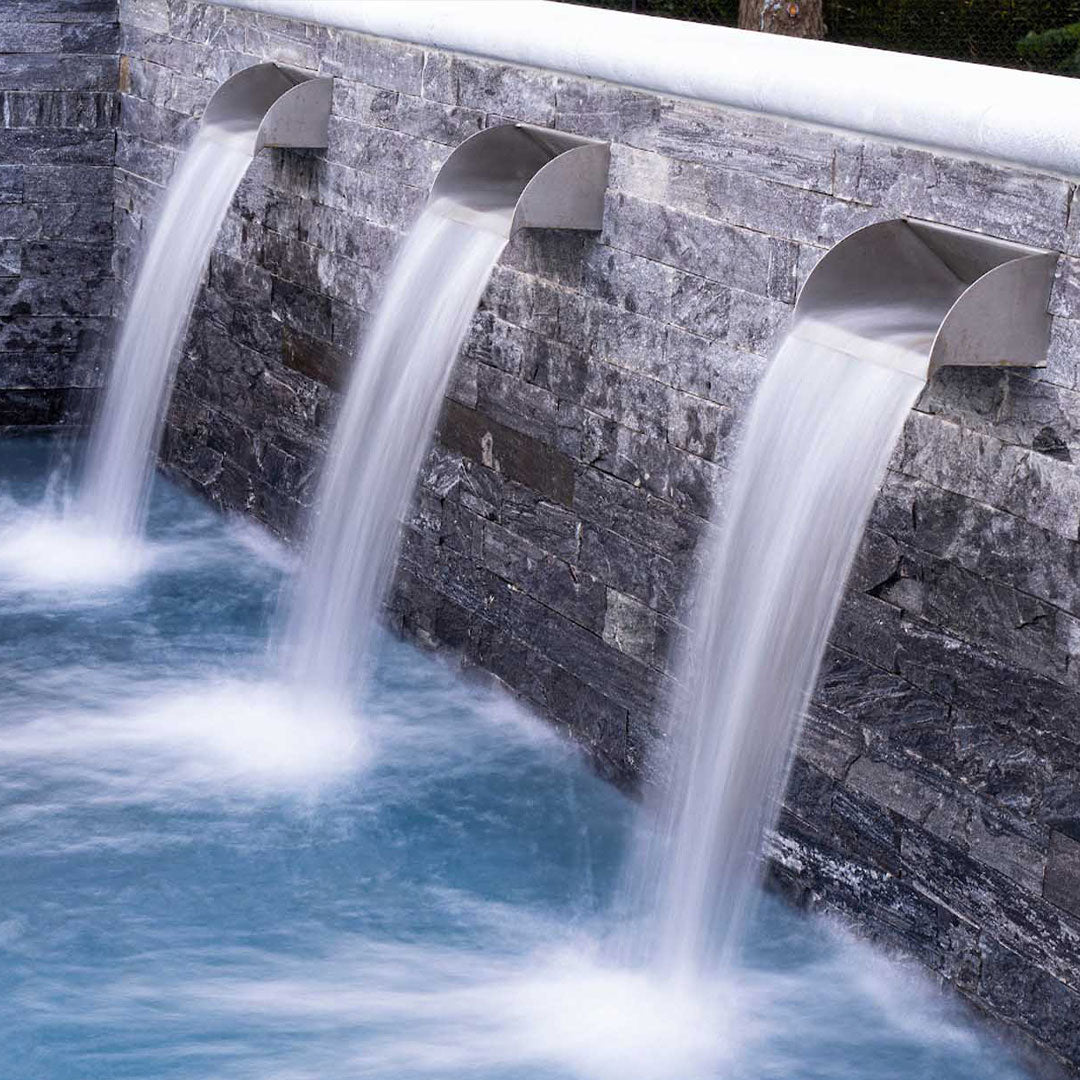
(815, 448)
(127, 430)
(380, 440)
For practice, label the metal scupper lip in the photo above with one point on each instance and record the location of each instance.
(270, 105)
(918, 296)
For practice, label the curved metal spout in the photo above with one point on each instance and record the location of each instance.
(270, 105)
(919, 296)
(515, 176)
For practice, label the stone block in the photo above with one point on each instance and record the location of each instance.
(146, 14)
(765, 146)
(1004, 201)
(492, 87)
(544, 524)
(1038, 488)
(30, 37)
(314, 359)
(630, 569)
(1022, 993)
(700, 427)
(602, 110)
(633, 628)
(550, 580)
(510, 453)
(308, 313)
(702, 246)
(633, 401)
(37, 71)
(1022, 630)
(1061, 886)
(516, 404)
(630, 341)
(407, 159)
(629, 283)
(53, 146)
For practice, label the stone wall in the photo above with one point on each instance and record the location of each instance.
(588, 431)
(58, 82)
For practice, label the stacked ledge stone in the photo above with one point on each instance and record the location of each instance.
(588, 431)
(58, 113)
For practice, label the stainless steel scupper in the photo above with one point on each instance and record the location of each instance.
(921, 296)
(270, 105)
(515, 176)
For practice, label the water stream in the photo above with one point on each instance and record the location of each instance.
(124, 441)
(814, 450)
(379, 443)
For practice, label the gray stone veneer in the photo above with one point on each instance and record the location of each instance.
(936, 797)
(58, 111)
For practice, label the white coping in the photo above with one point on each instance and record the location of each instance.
(1016, 116)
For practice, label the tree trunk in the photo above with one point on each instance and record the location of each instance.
(795, 18)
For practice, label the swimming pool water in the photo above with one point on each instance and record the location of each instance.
(205, 876)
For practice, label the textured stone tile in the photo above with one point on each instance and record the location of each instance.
(389, 65)
(631, 627)
(1040, 489)
(702, 246)
(511, 454)
(90, 38)
(1062, 882)
(711, 368)
(46, 146)
(1063, 355)
(408, 159)
(602, 110)
(1011, 405)
(32, 71)
(626, 340)
(634, 401)
(194, 20)
(629, 282)
(31, 37)
(431, 120)
(550, 580)
(515, 403)
(1031, 208)
(765, 146)
(491, 87)
(640, 173)
(1020, 992)
(145, 159)
(971, 680)
(1010, 624)
(619, 452)
(309, 313)
(145, 14)
(700, 427)
(993, 544)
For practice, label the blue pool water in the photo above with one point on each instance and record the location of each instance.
(202, 877)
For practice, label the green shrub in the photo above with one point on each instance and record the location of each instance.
(1053, 50)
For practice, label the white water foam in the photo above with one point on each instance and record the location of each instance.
(230, 741)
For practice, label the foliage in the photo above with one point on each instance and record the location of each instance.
(1053, 50)
(983, 31)
(720, 12)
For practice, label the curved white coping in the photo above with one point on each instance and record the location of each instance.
(1016, 116)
